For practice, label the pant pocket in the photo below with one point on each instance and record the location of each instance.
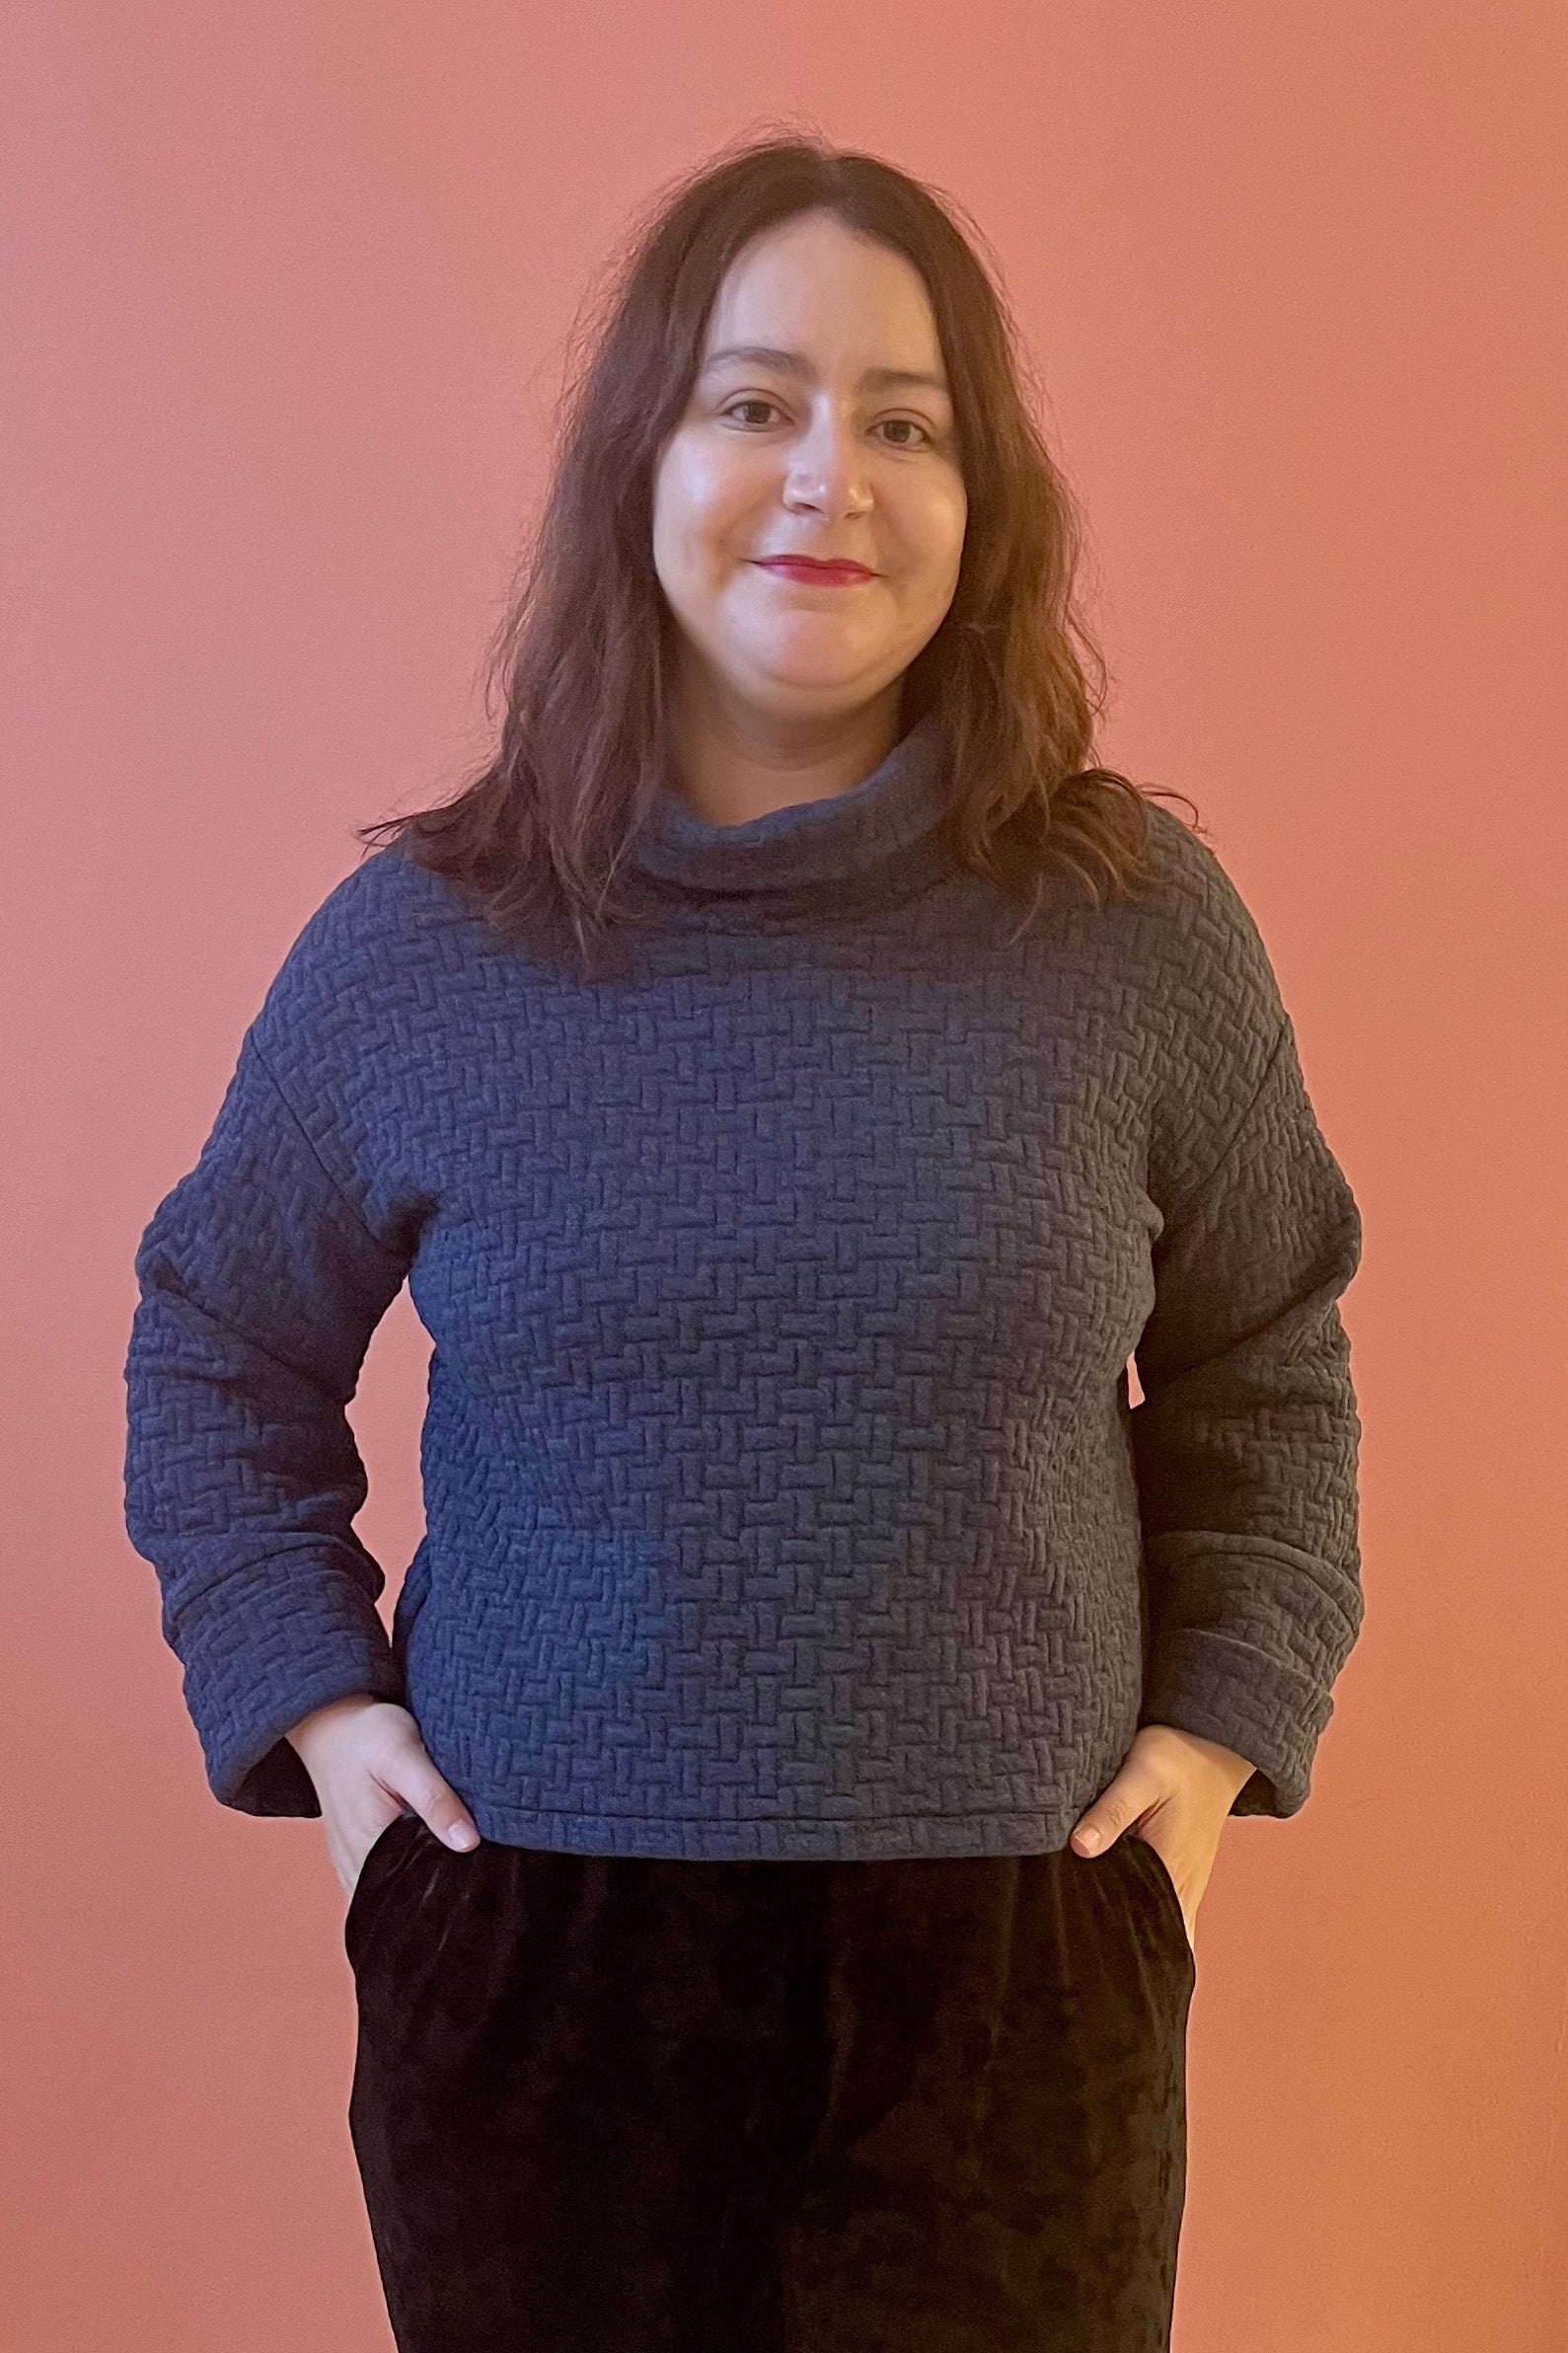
(1158, 1873)
(386, 1844)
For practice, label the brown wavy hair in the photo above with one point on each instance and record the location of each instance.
(582, 655)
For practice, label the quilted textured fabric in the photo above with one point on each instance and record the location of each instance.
(783, 1495)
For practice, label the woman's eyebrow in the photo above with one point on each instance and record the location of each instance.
(795, 363)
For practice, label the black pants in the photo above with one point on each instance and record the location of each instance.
(620, 2104)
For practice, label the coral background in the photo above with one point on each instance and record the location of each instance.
(285, 290)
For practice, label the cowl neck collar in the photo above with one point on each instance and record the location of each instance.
(859, 833)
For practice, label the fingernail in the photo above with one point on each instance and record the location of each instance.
(460, 1834)
(1090, 1841)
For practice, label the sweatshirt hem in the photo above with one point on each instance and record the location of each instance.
(775, 1838)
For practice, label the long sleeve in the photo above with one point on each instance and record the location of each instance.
(261, 1284)
(1245, 1441)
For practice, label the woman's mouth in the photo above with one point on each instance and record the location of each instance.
(816, 576)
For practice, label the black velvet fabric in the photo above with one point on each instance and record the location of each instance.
(622, 2104)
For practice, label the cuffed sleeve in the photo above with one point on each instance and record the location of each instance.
(261, 1284)
(1246, 1438)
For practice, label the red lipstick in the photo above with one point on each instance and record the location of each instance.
(838, 574)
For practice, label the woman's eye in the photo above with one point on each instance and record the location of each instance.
(756, 401)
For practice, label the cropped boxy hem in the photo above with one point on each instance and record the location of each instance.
(781, 1838)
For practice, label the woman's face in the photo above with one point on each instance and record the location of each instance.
(811, 456)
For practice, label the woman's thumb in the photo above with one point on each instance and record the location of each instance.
(437, 1804)
(1108, 1816)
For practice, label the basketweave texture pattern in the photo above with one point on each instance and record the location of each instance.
(783, 1495)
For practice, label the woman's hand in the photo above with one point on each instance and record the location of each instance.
(369, 1765)
(1175, 1791)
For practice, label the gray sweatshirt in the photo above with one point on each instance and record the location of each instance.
(783, 1495)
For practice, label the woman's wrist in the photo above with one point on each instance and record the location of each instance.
(308, 1733)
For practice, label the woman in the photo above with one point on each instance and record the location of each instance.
(794, 1080)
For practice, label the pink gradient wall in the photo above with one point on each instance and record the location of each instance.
(285, 293)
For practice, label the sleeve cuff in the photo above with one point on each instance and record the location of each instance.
(271, 1645)
(1226, 1691)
